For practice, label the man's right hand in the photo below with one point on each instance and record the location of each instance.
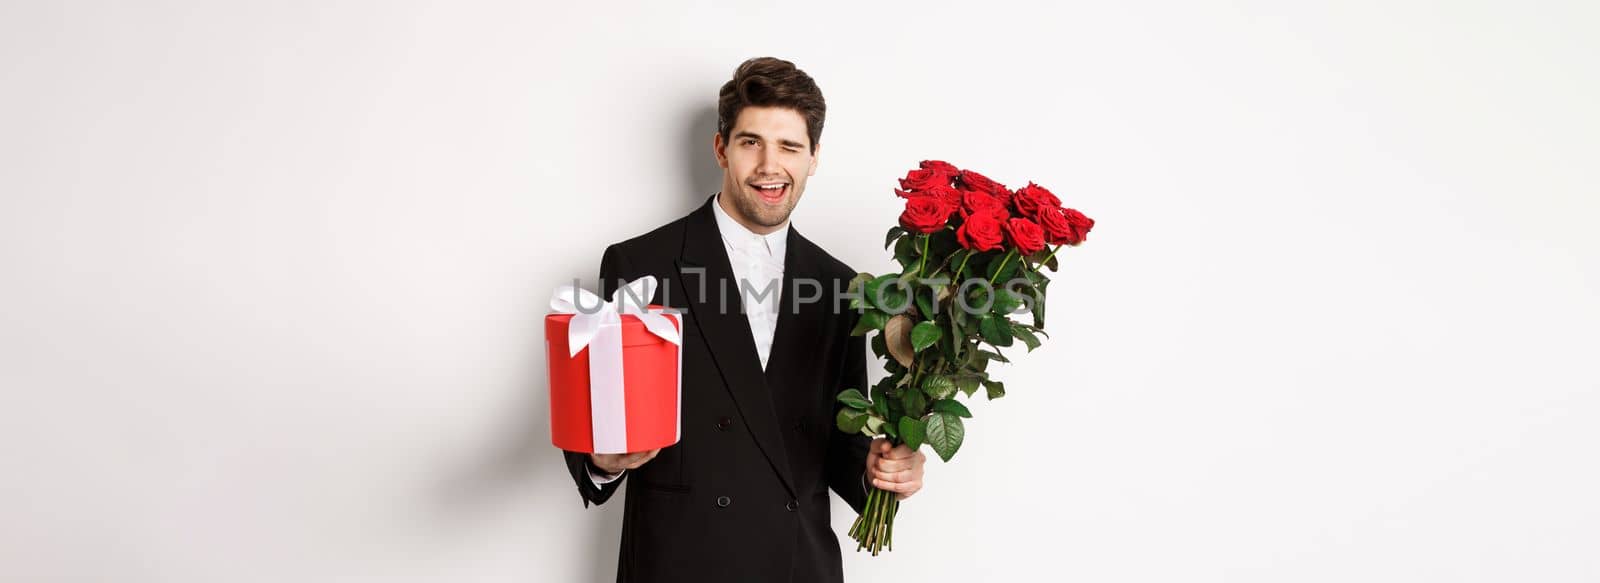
(612, 463)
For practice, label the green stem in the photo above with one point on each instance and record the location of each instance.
(964, 259)
(1003, 261)
(924, 259)
(1047, 257)
(874, 528)
(888, 535)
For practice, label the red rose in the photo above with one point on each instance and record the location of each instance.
(1026, 236)
(1064, 226)
(1033, 199)
(974, 181)
(1080, 225)
(923, 179)
(940, 166)
(982, 231)
(1056, 228)
(973, 202)
(950, 196)
(925, 214)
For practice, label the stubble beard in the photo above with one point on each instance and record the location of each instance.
(759, 213)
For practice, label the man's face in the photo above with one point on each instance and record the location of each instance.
(767, 146)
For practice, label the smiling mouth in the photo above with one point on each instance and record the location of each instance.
(772, 194)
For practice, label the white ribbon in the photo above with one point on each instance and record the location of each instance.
(597, 324)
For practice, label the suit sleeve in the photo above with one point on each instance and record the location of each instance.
(847, 452)
(612, 267)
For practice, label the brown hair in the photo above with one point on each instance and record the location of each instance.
(771, 82)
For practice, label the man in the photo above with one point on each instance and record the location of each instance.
(743, 496)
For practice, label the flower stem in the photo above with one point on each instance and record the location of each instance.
(1047, 257)
(924, 259)
(872, 529)
(964, 259)
(1003, 261)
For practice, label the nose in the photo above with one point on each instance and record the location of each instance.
(767, 165)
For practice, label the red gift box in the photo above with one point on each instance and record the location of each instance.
(650, 392)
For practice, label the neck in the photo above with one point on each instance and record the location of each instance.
(733, 211)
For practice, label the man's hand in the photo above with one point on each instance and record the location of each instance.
(612, 463)
(896, 470)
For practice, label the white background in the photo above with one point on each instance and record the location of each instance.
(274, 276)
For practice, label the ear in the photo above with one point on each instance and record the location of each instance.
(814, 157)
(717, 148)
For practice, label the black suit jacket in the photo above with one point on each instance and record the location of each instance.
(743, 496)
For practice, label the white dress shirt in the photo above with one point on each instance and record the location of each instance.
(757, 262)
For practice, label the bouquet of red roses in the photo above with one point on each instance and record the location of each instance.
(970, 252)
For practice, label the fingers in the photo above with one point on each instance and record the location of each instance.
(904, 489)
(896, 470)
(635, 460)
(900, 452)
(616, 462)
(888, 465)
(896, 476)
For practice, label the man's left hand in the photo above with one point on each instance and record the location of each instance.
(896, 469)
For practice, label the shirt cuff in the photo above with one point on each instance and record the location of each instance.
(599, 478)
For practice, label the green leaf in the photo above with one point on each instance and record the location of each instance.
(880, 397)
(851, 420)
(879, 347)
(905, 251)
(890, 430)
(956, 258)
(857, 281)
(968, 384)
(915, 403)
(1005, 272)
(947, 347)
(854, 399)
(952, 407)
(945, 433)
(1006, 302)
(874, 426)
(894, 233)
(956, 344)
(925, 303)
(912, 432)
(938, 386)
(870, 320)
(980, 299)
(994, 355)
(924, 334)
(1026, 335)
(1038, 303)
(1032, 329)
(886, 294)
(996, 389)
(996, 330)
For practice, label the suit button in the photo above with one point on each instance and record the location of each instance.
(792, 505)
(723, 501)
(724, 423)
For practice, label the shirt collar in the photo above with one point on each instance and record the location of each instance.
(738, 237)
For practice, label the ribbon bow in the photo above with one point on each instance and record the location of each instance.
(586, 321)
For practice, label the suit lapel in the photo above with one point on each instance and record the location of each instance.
(714, 307)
